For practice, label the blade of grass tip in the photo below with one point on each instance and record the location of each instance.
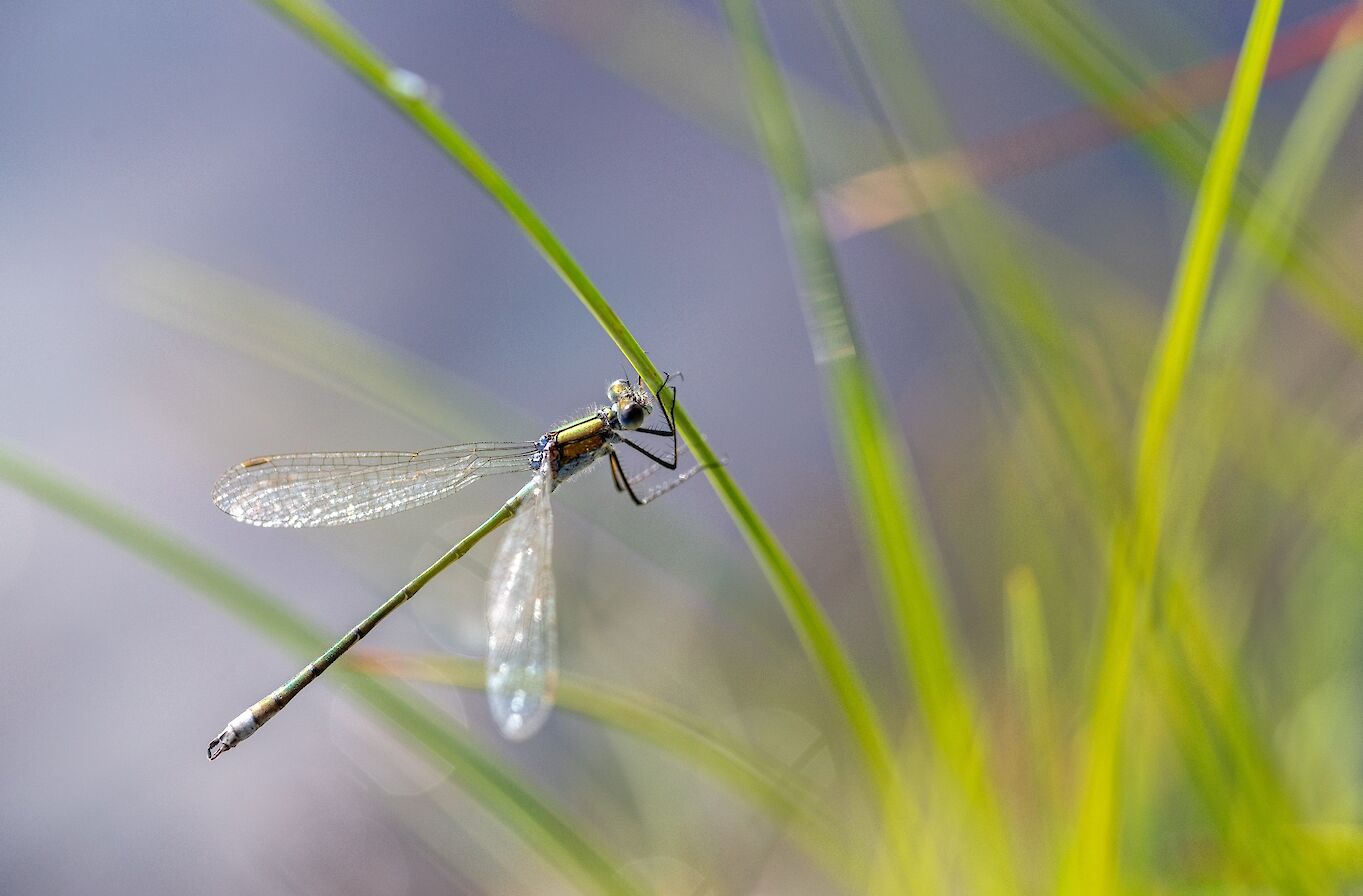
(317, 23)
(1077, 43)
(783, 799)
(1030, 666)
(1253, 786)
(1090, 865)
(1254, 782)
(881, 477)
(1237, 304)
(558, 841)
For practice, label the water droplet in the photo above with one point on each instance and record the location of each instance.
(412, 86)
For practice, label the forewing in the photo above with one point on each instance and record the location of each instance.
(330, 489)
(522, 655)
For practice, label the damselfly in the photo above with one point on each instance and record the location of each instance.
(331, 489)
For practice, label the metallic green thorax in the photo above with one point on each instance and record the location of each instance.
(579, 443)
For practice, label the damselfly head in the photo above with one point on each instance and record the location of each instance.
(630, 403)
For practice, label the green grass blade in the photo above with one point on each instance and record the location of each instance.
(557, 840)
(1246, 791)
(1075, 41)
(1091, 863)
(976, 241)
(1029, 655)
(316, 22)
(783, 799)
(879, 473)
(1238, 303)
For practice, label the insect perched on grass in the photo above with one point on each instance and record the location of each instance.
(331, 489)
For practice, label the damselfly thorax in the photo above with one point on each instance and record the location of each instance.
(335, 488)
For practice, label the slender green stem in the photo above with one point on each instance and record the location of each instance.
(1091, 863)
(880, 474)
(561, 842)
(1238, 303)
(320, 25)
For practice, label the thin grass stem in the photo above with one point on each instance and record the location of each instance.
(1091, 864)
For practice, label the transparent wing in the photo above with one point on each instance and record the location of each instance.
(522, 644)
(330, 489)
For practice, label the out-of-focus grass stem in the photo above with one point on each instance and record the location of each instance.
(783, 797)
(1091, 863)
(1029, 654)
(1237, 304)
(1079, 44)
(881, 476)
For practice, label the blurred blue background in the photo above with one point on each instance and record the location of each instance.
(142, 137)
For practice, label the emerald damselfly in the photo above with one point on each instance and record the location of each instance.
(336, 488)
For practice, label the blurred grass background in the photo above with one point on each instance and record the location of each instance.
(1030, 331)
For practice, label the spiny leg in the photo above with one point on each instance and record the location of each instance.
(653, 468)
(658, 490)
(668, 464)
(618, 474)
(669, 416)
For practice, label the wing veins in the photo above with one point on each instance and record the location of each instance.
(333, 488)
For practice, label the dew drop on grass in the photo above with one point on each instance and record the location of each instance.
(412, 86)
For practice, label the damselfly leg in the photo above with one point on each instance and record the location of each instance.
(665, 391)
(627, 483)
(667, 402)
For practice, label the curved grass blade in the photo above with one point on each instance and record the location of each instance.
(1074, 39)
(555, 838)
(637, 714)
(879, 473)
(1252, 787)
(1091, 861)
(320, 25)
(1238, 303)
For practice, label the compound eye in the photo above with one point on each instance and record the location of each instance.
(631, 415)
(617, 389)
